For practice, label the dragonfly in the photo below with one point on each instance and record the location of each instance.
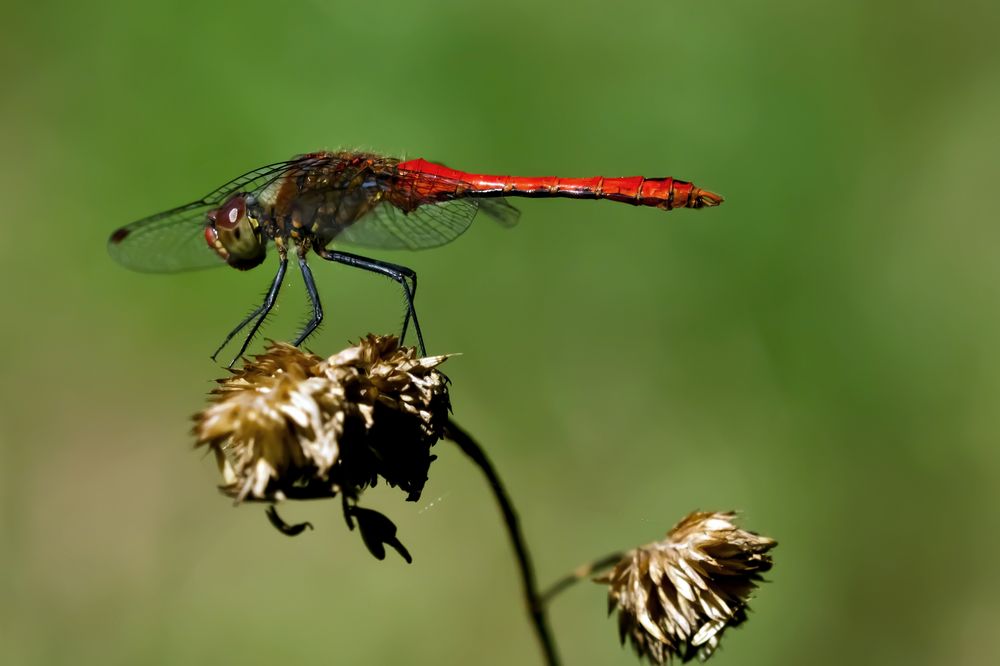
(317, 201)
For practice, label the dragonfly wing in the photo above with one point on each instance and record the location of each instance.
(174, 240)
(387, 227)
(500, 210)
(261, 177)
(169, 242)
(390, 228)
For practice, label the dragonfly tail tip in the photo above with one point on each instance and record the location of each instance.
(705, 199)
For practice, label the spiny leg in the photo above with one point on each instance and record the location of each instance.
(261, 312)
(269, 300)
(412, 275)
(400, 274)
(239, 327)
(317, 315)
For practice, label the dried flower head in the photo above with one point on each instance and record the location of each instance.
(676, 597)
(293, 425)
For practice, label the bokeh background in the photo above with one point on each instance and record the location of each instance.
(820, 352)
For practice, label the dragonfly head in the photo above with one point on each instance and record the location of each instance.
(235, 236)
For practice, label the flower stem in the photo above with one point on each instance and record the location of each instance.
(578, 574)
(535, 604)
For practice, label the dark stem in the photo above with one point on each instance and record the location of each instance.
(578, 574)
(535, 604)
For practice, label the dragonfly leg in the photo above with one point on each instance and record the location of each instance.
(260, 313)
(282, 526)
(412, 275)
(317, 315)
(239, 327)
(401, 274)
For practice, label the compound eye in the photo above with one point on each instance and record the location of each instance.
(212, 240)
(234, 236)
(230, 214)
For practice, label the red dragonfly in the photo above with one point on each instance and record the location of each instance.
(361, 199)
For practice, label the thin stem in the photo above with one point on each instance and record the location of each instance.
(535, 605)
(578, 574)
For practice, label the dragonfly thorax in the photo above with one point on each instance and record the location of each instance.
(234, 235)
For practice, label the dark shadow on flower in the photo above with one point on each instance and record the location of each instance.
(377, 531)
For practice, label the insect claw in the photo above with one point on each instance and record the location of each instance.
(283, 527)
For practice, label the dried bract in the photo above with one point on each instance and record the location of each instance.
(292, 425)
(676, 597)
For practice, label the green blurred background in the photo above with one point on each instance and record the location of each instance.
(819, 352)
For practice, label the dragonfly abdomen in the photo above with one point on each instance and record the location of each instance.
(437, 182)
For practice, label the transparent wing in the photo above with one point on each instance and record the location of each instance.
(387, 227)
(169, 242)
(174, 240)
(500, 210)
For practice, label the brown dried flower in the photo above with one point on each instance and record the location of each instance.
(292, 425)
(676, 597)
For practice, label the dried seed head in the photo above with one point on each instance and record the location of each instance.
(291, 424)
(676, 597)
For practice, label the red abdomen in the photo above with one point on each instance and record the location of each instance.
(430, 182)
